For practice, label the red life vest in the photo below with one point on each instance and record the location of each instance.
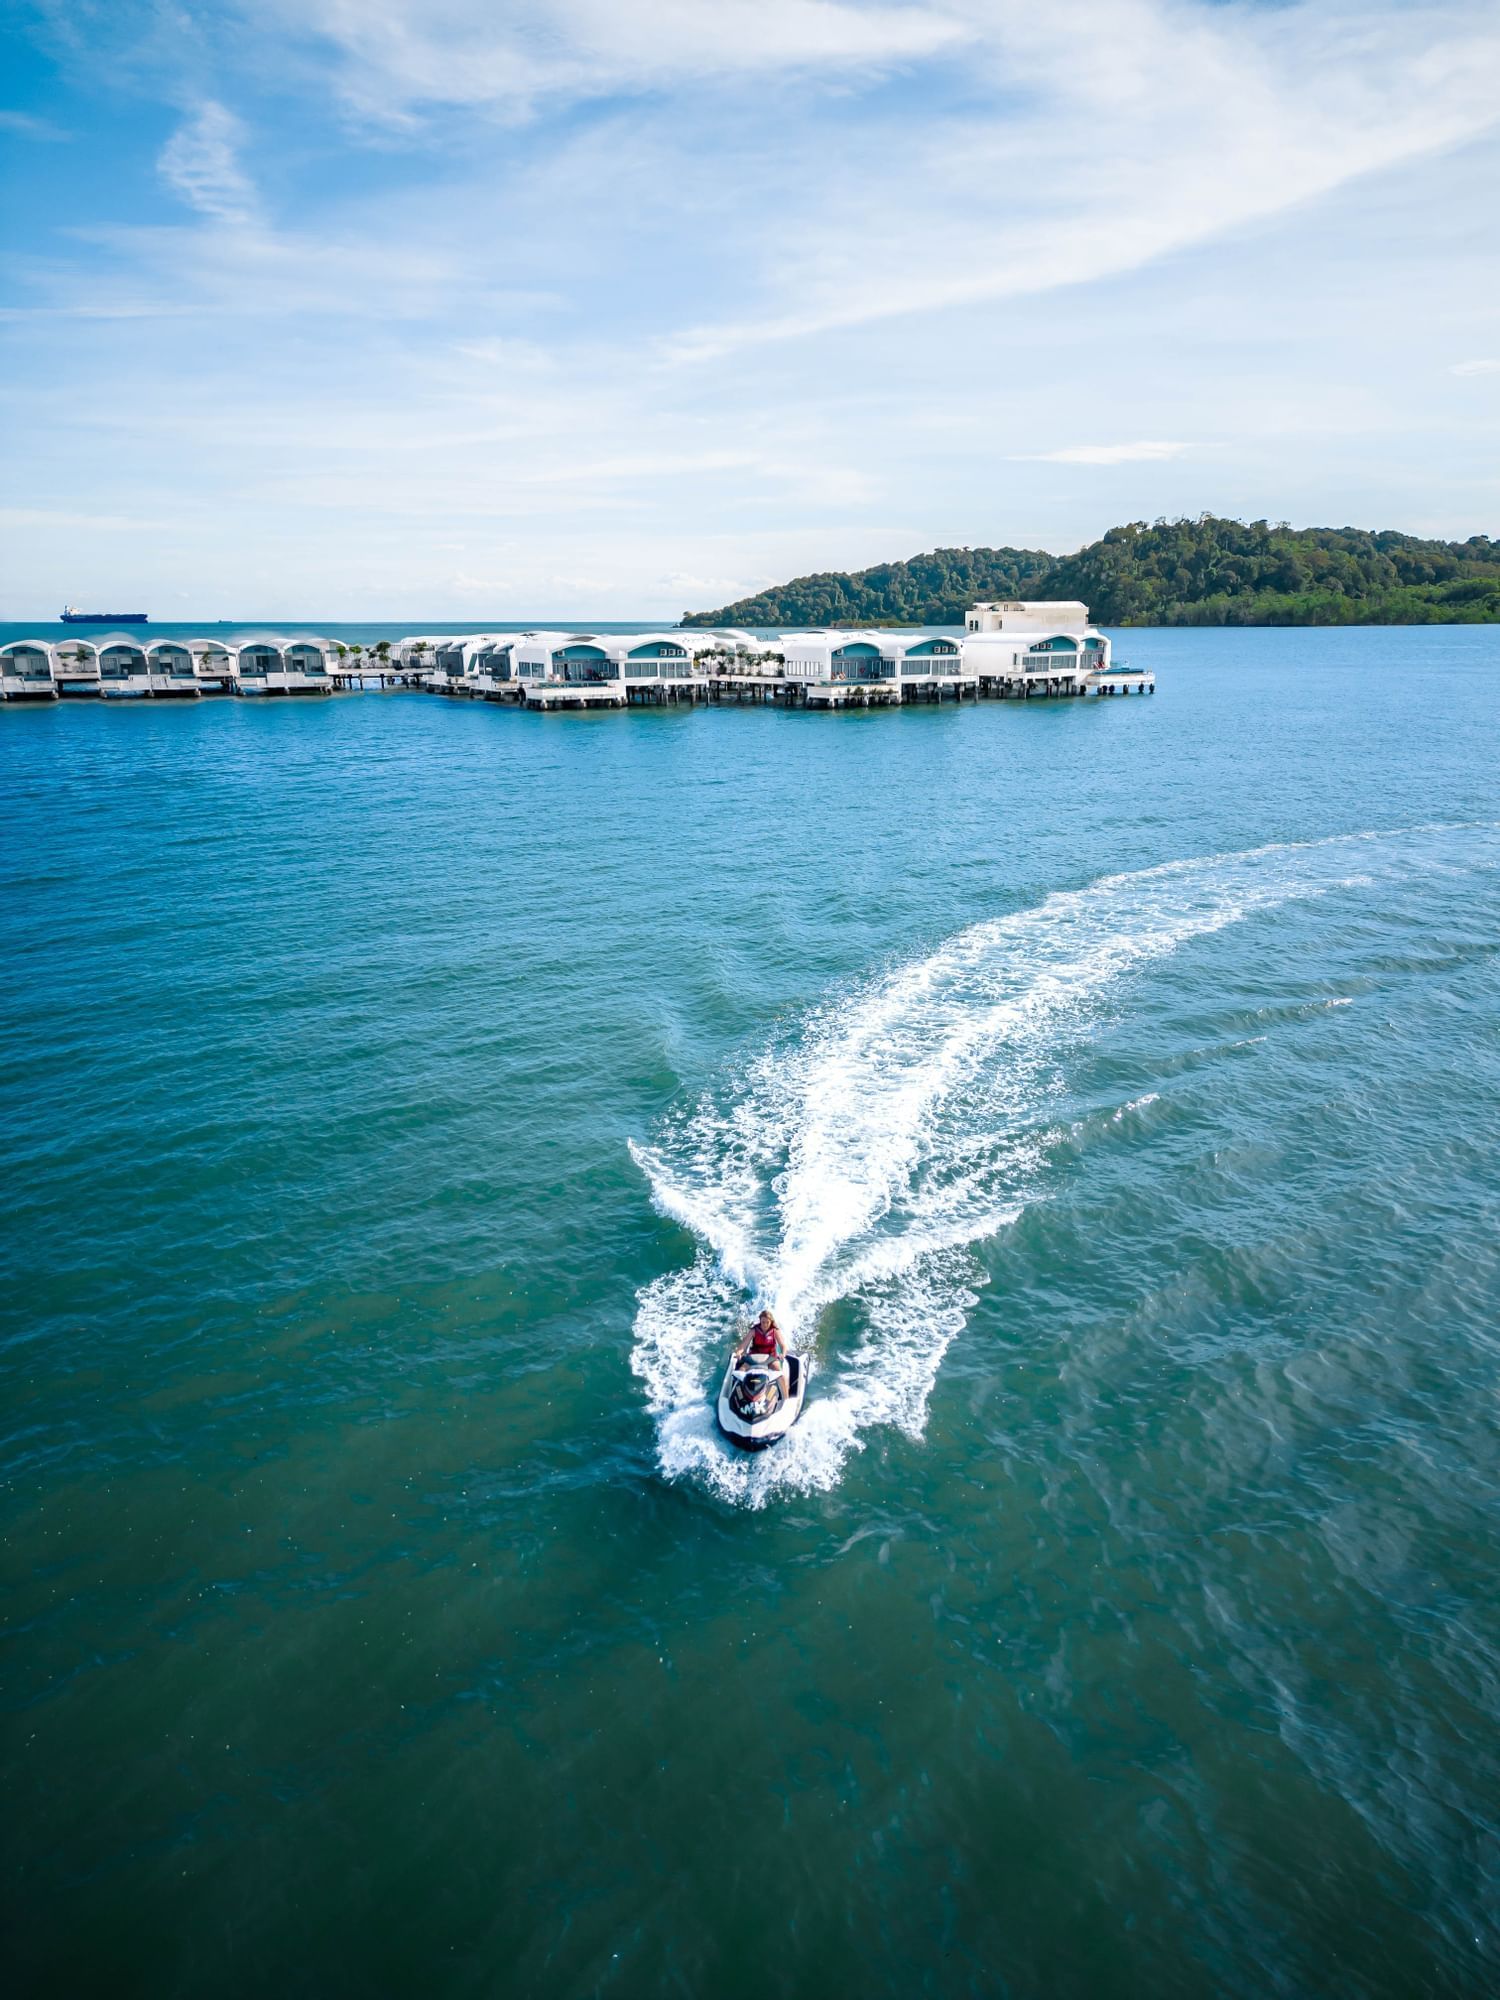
(765, 1341)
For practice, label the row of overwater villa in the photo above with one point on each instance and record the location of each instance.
(1013, 650)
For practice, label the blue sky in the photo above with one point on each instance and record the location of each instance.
(432, 308)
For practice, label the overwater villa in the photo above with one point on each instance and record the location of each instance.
(836, 668)
(491, 668)
(535, 653)
(830, 669)
(306, 668)
(75, 668)
(933, 669)
(413, 655)
(453, 659)
(26, 671)
(1034, 646)
(591, 669)
(123, 671)
(170, 669)
(270, 666)
(254, 665)
(1009, 650)
(213, 666)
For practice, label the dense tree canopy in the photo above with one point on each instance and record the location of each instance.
(1209, 571)
(934, 589)
(1217, 572)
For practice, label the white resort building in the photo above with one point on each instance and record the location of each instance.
(75, 668)
(592, 669)
(213, 666)
(26, 671)
(122, 668)
(1015, 650)
(170, 669)
(304, 669)
(276, 666)
(831, 669)
(1034, 645)
(836, 668)
(492, 668)
(453, 659)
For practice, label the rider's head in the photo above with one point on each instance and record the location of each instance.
(765, 1321)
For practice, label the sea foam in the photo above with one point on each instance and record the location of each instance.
(853, 1160)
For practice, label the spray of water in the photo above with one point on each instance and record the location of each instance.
(854, 1160)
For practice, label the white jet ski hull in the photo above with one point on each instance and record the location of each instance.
(748, 1435)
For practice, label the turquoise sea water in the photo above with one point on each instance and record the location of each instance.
(401, 1099)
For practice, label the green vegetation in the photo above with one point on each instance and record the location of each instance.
(935, 589)
(1217, 572)
(1205, 572)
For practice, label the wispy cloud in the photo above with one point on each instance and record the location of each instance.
(1132, 129)
(201, 163)
(1143, 452)
(1487, 367)
(26, 126)
(405, 56)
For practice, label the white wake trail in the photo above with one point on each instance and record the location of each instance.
(852, 1164)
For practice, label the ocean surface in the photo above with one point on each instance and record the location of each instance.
(401, 1101)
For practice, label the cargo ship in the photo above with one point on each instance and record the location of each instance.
(71, 615)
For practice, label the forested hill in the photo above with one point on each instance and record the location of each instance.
(1205, 572)
(1217, 572)
(935, 589)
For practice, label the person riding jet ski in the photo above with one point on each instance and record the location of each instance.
(764, 1343)
(763, 1388)
(759, 1366)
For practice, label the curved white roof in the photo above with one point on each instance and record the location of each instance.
(831, 638)
(550, 639)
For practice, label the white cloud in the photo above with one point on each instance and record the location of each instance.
(1489, 367)
(1102, 135)
(201, 163)
(1143, 452)
(402, 56)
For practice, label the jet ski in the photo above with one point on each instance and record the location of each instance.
(753, 1411)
